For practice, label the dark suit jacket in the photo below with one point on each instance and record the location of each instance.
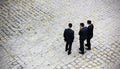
(68, 35)
(83, 33)
(90, 31)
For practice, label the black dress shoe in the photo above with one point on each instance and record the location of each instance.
(86, 44)
(66, 49)
(88, 49)
(79, 49)
(69, 53)
(81, 53)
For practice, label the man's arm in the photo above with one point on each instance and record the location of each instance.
(73, 36)
(64, 34)
(79, 33)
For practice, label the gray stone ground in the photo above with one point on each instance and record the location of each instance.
(31, 34)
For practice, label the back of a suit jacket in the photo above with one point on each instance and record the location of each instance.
(83, 33)
(69, 35)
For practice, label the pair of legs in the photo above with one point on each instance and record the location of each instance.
(88, 43)
(82, 46)
(68, 47)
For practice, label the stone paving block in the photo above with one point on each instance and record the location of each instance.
(31, 34)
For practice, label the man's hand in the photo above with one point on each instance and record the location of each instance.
(64, 40)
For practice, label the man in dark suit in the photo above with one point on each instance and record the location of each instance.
(69, 37)
(83, 36)
(90, 34)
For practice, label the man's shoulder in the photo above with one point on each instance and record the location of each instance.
(91, 25)
(66, 29)
(72, 30)
(85, 28)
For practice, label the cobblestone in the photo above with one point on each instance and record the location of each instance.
(31, 34)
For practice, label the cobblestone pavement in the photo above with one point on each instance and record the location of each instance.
(31, 34)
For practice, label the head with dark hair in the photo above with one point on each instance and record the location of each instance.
(88, 21)
(70, 25)
(81, 25)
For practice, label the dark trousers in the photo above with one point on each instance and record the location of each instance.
(82, 46)
(89, 43)
(68, 46)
